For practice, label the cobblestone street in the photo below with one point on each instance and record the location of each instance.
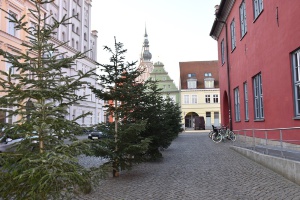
(194, 167)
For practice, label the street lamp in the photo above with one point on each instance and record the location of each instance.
(29, 107)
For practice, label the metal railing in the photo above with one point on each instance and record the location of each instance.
(283, 141)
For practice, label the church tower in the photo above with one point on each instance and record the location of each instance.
(145, 60)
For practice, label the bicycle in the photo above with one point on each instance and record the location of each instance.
(222, 133)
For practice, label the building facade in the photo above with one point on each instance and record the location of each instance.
(78, 36)
(259, 61)
(200, 93)
(165, 82)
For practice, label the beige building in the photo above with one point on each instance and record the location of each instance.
(200, 93)
(78, 35)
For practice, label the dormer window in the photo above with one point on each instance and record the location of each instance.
(191, 75)
(192, 83)
(209, 82)
(207, 74)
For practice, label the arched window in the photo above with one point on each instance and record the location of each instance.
(77, 46)
(77, 30)
(73, 42)
(73, 27)
(84, 36)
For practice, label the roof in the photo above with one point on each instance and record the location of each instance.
(199, 68)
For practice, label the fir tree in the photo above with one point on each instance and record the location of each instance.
(38, 89)
(119, 85)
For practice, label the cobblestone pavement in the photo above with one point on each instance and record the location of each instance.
(194, 168)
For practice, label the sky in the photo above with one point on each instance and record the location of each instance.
(178, 30)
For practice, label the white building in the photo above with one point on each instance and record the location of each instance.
(79, 38)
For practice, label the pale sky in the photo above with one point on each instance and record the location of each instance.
(178, 30)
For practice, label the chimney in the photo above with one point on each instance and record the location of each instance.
(216, 9)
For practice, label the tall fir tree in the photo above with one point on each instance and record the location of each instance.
(39, 91)
(119, 85)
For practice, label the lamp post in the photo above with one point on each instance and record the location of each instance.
(29, 107)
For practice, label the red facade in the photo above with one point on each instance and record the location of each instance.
(265, 47)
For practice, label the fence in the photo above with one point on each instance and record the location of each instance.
(282, 141)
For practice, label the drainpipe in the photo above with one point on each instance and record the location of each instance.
(228, 73)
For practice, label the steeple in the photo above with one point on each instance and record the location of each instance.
(146, 55)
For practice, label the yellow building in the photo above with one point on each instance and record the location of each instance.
(200, 94)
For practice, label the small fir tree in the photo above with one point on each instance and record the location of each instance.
(39, 91)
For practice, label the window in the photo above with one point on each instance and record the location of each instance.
(191, 75)
(9, 67)
(232, 32)
(63, 36)
(186, 99)
(237, 105)
(77, 46)
(296, 81)
(11, 25)
(194, 99)
(73, 42)
(209, 83)
(258, 7)
(243, 19)
(208, 74)
(77, 30)
(207, 98)
(64, 4)
(73, 27)
(246, 102)
(83, 117)
(192, 84)
(216, 98)
(258, 97)
(222, 52)
(84, 36)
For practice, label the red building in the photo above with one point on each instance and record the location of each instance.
(259, 63)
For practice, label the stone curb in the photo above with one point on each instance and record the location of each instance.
(289, 169)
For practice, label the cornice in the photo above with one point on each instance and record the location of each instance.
(200, 90)
(72, 50)
(17, 4)
(221, 16)
(10, 37)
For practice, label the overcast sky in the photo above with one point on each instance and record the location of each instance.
(178, 30)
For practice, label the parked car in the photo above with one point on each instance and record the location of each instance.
(95, 135)
(8, 144)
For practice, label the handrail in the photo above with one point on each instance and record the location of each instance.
(263, 140)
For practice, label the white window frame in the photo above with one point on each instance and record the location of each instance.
(233, 35)
(186, 99)
(243, 21)
(192, 83)
(207, 98)
(222, 51)
(296, 81)
(258, 97)
(237, 110)
(215, 98)
(258, 6)
(246, 103)
(194, 99)
(11, 26)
